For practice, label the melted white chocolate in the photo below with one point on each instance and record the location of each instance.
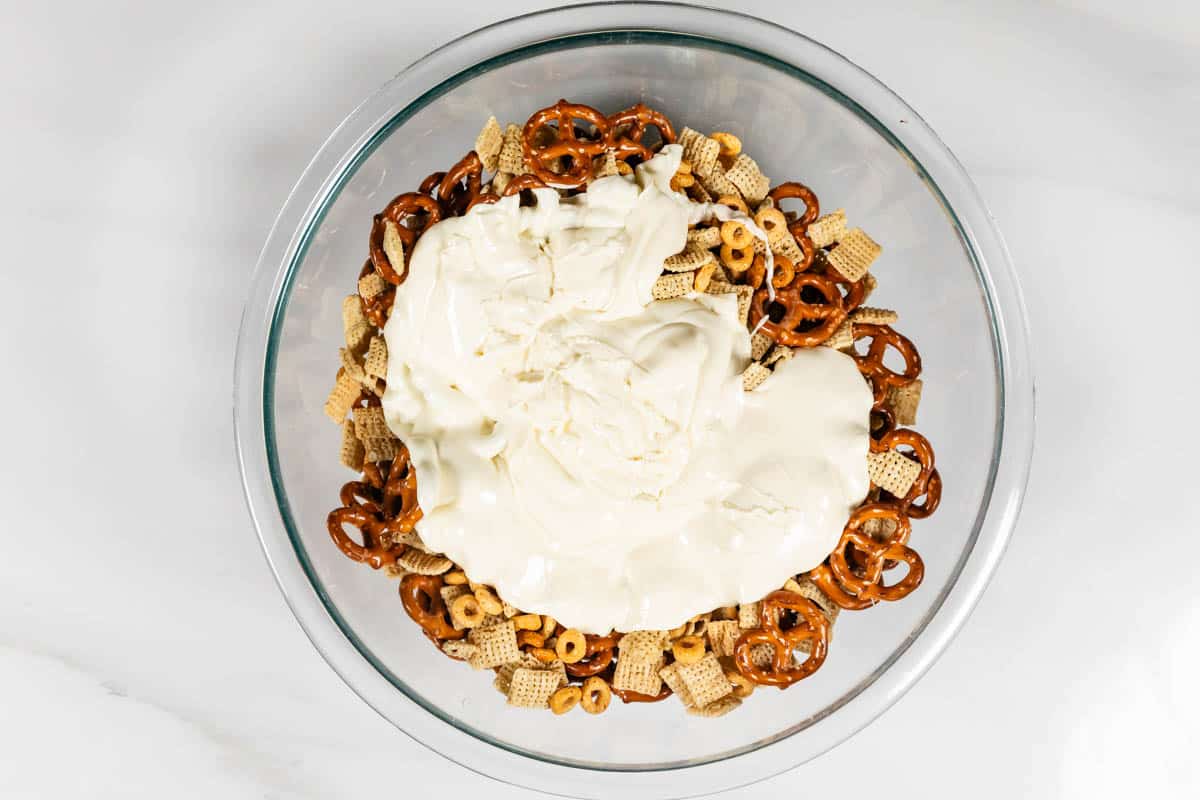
(591, 453)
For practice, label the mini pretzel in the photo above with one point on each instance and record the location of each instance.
(430, 184)
(811, 627)
(853, 574)
(413, 213)
(629, 696)
(423, 602)
(627, 132)
(798, 191)
(390, 510)
(579, 152)
(599, 657)
(377, 308)
(928, 484)
(459, 188)
(785, 272)
(806, 321)
(871, 365)
(515, 186)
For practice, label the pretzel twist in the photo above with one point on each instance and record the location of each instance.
(422, 601)
(805, 321)
(413, 213)
(871, 364)
(560, 156)
(852, 576)
(928, 483)
(382, 508)
(628, 129)
(811, 627)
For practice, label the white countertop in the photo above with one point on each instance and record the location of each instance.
(147, 148)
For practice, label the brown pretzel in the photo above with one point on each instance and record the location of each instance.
(422, 600)
(797, 191)
(627, 132)
(811, 627)
(431, 183)
(852, 576)
(382, 507)
(598, 658)
(376, 308)
(882, 421)
(413, 213)
(853, 292)
(805, 321)
(871, 364)
(545, 159)
(630, 696)
(928, 484)
(459, 187)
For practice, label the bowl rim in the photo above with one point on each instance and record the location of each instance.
(585, 25)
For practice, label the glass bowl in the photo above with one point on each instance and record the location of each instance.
(805, 113)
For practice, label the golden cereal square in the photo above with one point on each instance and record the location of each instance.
(828, 229)
(371, 285)
(370, 424)
(497, 645)
(670, 676)
(748, 615)
(892, 471)
(676, 284)
(352, 450)
(376, 360)
(512, 152)
(531, 688)
(638, 676)
(722, 635)
(854, 254)
(903, 401)
(705, 680)
(488, 144)
(707, 238)
(344, 394)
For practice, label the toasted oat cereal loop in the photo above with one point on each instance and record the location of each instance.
(531, 639)
(571, 646)
(527, 622)
(688, 649)
(735, 234)
(455, 578)
(785, 272)
(596, 695)
(544, 654)
(734, 202)
(488, 601)
(772, 221)
(565, 699)
(466, 611)
(737, 259)
(731, 145)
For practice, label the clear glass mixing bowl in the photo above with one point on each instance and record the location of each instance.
(805, 113)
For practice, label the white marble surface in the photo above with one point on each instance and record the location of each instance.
(147, 147)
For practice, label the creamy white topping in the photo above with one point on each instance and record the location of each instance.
(591, 453)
